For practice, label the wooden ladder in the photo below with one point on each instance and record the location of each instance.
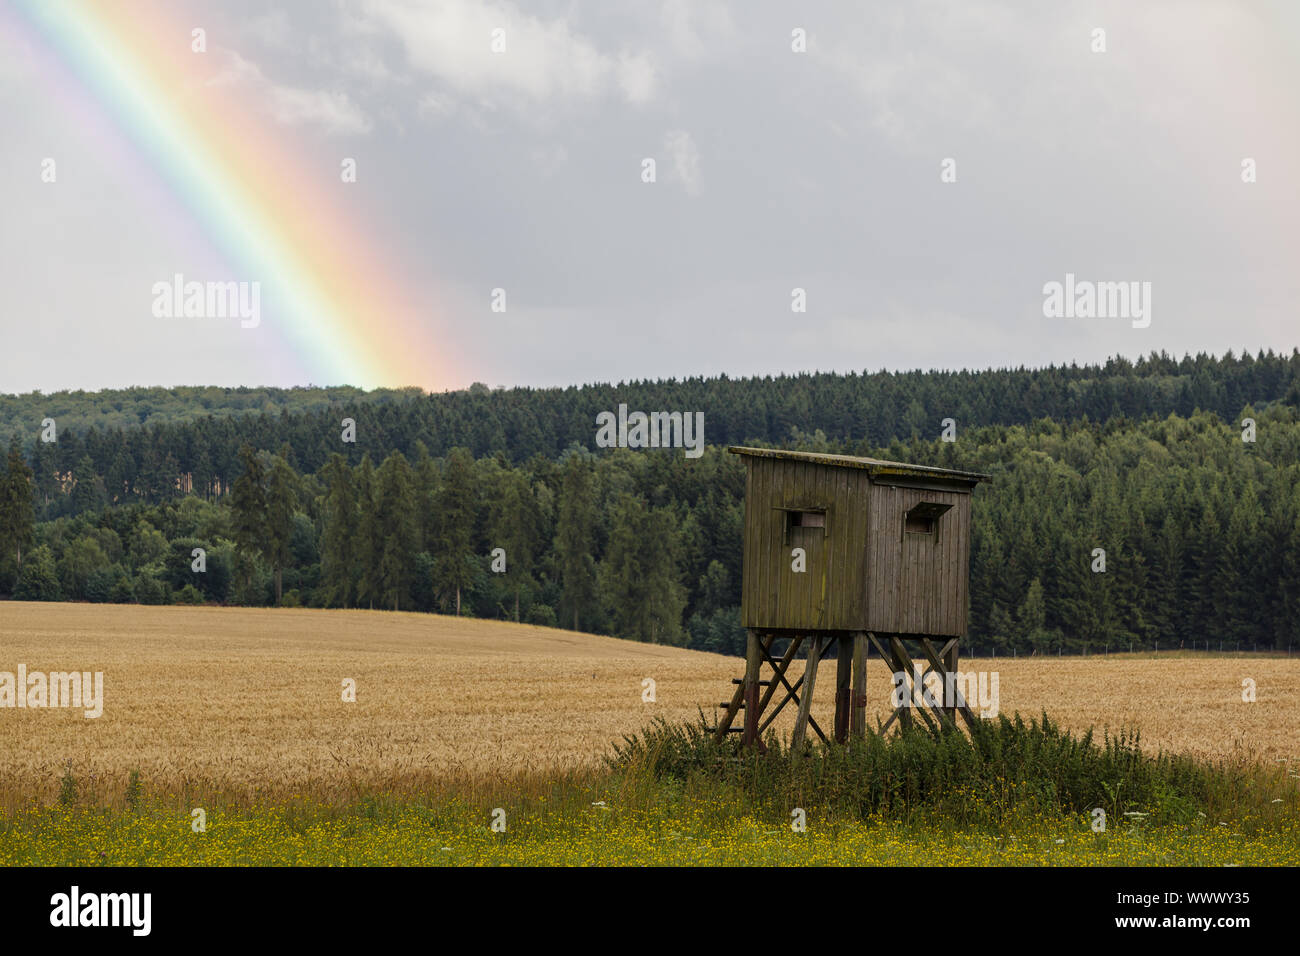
(753, 693)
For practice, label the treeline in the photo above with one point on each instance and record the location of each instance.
(160, 460)
(1168, 532)
(79, 411)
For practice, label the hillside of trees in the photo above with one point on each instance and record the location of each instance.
(80, 411)
(1201, 529)
(182, 448)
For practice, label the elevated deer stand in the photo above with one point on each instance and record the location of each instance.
(855, 553)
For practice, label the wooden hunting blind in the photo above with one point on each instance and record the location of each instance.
(852, 550)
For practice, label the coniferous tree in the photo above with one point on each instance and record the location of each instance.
(517, 529)
(366, 550)
(338, 539)
(17, 509)
(281, 497)
(88, 494)
(1031, 620)
(397, 530)
(456, 516)
(575, 539)
(639, 578)
(249, 507)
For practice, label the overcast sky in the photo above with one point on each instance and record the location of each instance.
(776, 169)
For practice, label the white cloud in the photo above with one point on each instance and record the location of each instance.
(697, 28)
(437, 104)
(914, 89)
(637, 77)
(543, 60)
(365, 62)
(685, 158)
(330, 110)
(272, 28)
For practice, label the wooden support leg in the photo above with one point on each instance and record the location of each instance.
(887, 655)
(805, 701)
(950, 664)
(859, 720)
(937, 664)
(843, 696)
(903, 665)
(792, 692)
(753, 661)
(778, 671)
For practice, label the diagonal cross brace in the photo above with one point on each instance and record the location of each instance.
(937, 666)
(791, 695)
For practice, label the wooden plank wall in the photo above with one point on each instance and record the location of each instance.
(829, 595)
(917, 584)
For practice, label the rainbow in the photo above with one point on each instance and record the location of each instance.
(274, 216)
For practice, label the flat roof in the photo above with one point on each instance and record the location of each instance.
(874, 466)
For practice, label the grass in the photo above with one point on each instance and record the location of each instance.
(1014, 793)
(678, 834)
(1001, 768)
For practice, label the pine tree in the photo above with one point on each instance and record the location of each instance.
(338, 538)
(17, 509)
(281, 498)
(713, 593)
(665, 594)
(639, 578)
(88, 493)
(397, 529)
(575, 538)
(366, 549)
(456, 517)
(248, 505)
(45, 468)
(516, 529)
(1237, 598)
(1031, 619)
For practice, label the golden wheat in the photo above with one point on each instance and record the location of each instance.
(250, 700)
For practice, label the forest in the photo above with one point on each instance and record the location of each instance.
(497, 503)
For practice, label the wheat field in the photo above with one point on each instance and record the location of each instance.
(250, 701)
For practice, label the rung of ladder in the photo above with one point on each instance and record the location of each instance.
(740, 680)
(726, 704)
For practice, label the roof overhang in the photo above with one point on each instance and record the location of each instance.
(878, 469)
